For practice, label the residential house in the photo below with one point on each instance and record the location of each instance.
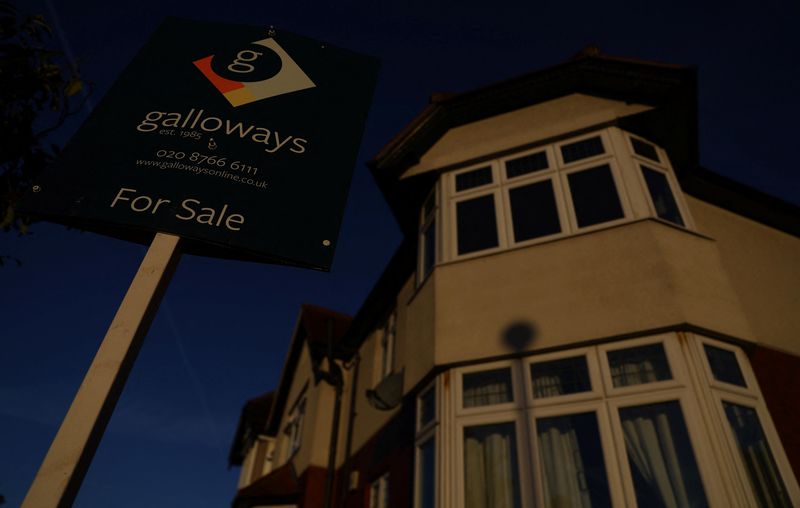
(579, 315)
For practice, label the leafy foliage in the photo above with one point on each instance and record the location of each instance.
(38, 92)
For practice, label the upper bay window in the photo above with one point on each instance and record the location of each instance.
(585, 183)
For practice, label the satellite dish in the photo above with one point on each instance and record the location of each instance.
(388, 393)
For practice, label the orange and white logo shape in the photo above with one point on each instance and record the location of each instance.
(290, 77)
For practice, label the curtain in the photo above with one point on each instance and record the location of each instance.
(638, 365)
(660, 455)
(563, 477)
(487, 387)
(547, 386)
(490, 467)
(757, 457)
(573, 469)
(633, 373)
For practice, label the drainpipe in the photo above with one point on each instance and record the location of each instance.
(334, 378)
(344, 481)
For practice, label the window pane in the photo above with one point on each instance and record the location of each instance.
(594, 196)
(757, 456)
(660, 456)
(429, 206)
(428, 249)
(487, 387)
(427, 474)
(491, 476)
(474, 178)
(661, 194)
(560, 377)
(582, 149)
(427, 407)
(724, 365)
(527, 164)
(379, 492)
(644, 149)
(638, 365)
(533, 211)
(476, 224)
(573, 469)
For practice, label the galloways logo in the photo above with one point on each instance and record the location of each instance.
(261, 70)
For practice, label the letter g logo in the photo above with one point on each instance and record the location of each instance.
(253, 72)
(240, 65)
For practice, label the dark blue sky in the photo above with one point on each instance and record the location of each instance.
(222, 331)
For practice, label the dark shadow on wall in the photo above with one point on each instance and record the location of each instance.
(519, 336)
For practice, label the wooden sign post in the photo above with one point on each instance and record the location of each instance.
(65, 465)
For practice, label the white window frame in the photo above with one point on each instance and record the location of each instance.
(741, 359)
(665, 167)
(425, 222)
(455, 197)
(517, 394)
(294, 427)
(610, 458)
(672, 352)
(379, 491)
(424, 427)
(426, 432)
(588, 164)
(608, 151)
(596, 391)
(386, 342)
(721, 471)
(695, 429)
(523, 181)
(632, 191)
(751, 397)
(523, 462)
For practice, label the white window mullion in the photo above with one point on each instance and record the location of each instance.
(723, 454)
(632, 180)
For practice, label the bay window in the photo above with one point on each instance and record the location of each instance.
(580, 184)
(617, 424)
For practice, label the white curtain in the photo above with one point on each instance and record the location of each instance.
(633, 373)
(485, 388)
(652, 451)
(490, 474)
(563, 475)
(547, 386)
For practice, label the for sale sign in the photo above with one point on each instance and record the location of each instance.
(240, 139)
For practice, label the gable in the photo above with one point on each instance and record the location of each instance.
(519, 128)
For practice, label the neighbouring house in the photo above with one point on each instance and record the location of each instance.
(579, 315)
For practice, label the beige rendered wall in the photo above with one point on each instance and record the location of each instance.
(414, 353)
(520, 127)
(763, 265)
(633, 277)
(317, 422)
(368, 420)
(416, 349)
